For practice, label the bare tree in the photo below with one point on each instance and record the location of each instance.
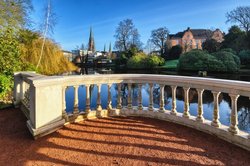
(159, 38)
(149, 47)
(126, 36)
(240, 15)
(47, 27)
(15, 13)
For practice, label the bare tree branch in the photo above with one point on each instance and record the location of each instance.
(240, 15)
(47, 27)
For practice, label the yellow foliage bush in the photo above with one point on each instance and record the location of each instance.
(52, 62)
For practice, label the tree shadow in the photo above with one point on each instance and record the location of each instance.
(104, 141)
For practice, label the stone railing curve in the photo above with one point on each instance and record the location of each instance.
(47, 105)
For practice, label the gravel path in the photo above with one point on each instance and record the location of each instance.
(114, 141)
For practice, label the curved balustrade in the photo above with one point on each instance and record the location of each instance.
(53, 89)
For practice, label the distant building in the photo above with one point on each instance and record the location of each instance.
(193, 38)
(68, 55)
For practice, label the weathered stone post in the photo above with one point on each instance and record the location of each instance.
(140, 107)
(109, 107)
(87, 109)
(173, 111)
(129, 97)
(119, 99)
(216, 122)
(45, 105)
(76, 110)
(200, 117)
(162, 104)
(234, 116)
(99, 106)
(186, 102)
(150, 107)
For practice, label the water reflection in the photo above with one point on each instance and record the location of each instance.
(229, 76)
(208, 104)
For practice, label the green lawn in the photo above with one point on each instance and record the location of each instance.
(170, 64)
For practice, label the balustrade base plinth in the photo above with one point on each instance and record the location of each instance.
(162, 110)
(151, 108)
(91, 115)
(186, 116)
(140, 108)
(233, 130)
(201, 120)
(46, 129)
(80, 118)
(130, 107)
(215, 124)
(173, 113)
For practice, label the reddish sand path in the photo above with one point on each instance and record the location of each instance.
(114, 141)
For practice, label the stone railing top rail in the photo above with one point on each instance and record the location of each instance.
(220, 85)
(26, 76)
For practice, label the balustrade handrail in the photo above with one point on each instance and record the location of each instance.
(51, 90)
(220, 85)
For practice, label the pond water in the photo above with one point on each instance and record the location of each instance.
(208, 104)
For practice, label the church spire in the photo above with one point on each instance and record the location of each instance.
(110, 50)
(91, 41)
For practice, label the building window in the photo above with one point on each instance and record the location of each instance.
(177, 42)
(197, 43)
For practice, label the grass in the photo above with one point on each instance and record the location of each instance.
(170, 64)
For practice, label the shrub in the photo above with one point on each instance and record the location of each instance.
(175, 52)
(140, 60)
(244, 56)
(5, 85)
(9, 53)
(231, 61)
(196, 60)
(229, 50)
(155, 60)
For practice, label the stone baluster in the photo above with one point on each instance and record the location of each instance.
(109, 106)
(234, 116)
(162, 104)
(87, 109)
(186, 102)
(76, 110)
(173, 111)
(200, 117)
(129, 96)
(119, 98)
(64, 113)
(140, 106)
(99, 105)
(150, 107)
(216, 116)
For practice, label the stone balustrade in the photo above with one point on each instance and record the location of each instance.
(47, 105)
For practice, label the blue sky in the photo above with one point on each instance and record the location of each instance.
(74, 17)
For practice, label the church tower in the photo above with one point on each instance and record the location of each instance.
(91, 44)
